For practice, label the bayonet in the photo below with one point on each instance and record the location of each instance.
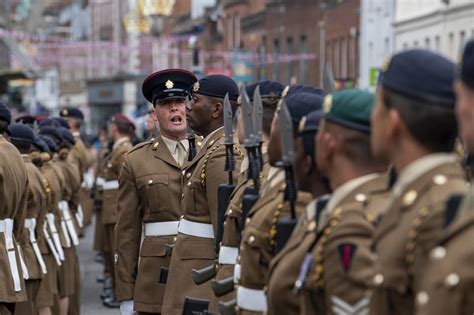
(257, 115)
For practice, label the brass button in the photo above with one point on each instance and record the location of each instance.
(183, 172)
(188, 175)
(409, 198)
(156, 145)
(247, 221)
(230, 211)
(174, 239)
(211, 142)
(182, 195)
(378, 279)
(440, 179)
(109, 165)
(452, 280)
(188, 184)
(438, 252)
(360, 197)
(422, 298)
(311, 226)
(251, 239)
(150, 181)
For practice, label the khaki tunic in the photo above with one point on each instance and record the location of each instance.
(150, 188)
(341, 265)
(36, 209)
(409, 229)
(448, 281)
(13, 201)
(203, 175)
(257, 248)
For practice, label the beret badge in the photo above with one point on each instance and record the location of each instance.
(196, 86)
(169, 84)
(327, 105)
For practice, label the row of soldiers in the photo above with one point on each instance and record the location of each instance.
(321, 203)
(42, 218)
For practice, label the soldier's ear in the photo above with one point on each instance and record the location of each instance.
(395, 124)
(217, 110)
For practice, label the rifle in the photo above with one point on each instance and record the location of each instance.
(250, 195)
(257, 115)
(224, 191)
(285, 226)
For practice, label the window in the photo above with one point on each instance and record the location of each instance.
(237, 31)
(289, 51)
(303, 51)
(427, 43)
(462, 39)
(451, 44)
(415, 43)
(276, 60)
(437, 43)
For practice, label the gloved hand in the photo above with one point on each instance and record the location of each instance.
(126, 308)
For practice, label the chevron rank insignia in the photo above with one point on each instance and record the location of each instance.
(341, 307)
(346, 253)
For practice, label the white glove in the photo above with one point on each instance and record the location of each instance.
(126, 308)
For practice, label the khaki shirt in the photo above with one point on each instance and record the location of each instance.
(110, 172)
(341, 265)
(204, 174)
(13, 202)
(448, 282)
(409, 229)
(150, 190)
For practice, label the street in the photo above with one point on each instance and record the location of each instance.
(91, 289)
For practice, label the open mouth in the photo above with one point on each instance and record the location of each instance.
(176, 120)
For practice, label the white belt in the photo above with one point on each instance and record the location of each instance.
(196, 229)
(56, 239)
(26, 273)
(51, 244)
(237, 273)
(30, 224)
(228, 255)
(161, 228)
(67, 224)
(251, 299)
(80, 216)
(88, 181)
(6, 227)
(107, 184)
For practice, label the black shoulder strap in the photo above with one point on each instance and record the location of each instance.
(452, 207)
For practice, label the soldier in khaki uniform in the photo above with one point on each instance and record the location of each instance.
(414, 127)
(447, 286)
(64, 184)
(195, 248)
(120, 129)
(270, 92)
(22, 137)
(13, 201)
(81, 157)
(285, 267)
(149, 197)
(336, 271)
(257, 248)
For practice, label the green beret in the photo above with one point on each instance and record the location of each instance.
(350, 108)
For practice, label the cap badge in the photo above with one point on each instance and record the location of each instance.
(327, 105)
(65, 112)
(302, 124)
(169, 84)
(196, 86)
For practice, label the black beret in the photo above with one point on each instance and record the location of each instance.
(40, 144)
(5, 114)
(48, 122)
(21, 132)
(267, 89)
(467, 65)
(53, 147)
(421, 74)
(305, 88)
(67, 135)
(25, 119)
(61, 122)
(302, 103)
(52, 133)
(166, 84)
(72, 112)
(217, 85)
(310, 122)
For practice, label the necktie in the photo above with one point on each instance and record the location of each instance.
(181, 153)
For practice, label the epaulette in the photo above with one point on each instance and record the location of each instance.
(141, 145)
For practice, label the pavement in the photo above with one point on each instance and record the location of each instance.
(91, 304)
